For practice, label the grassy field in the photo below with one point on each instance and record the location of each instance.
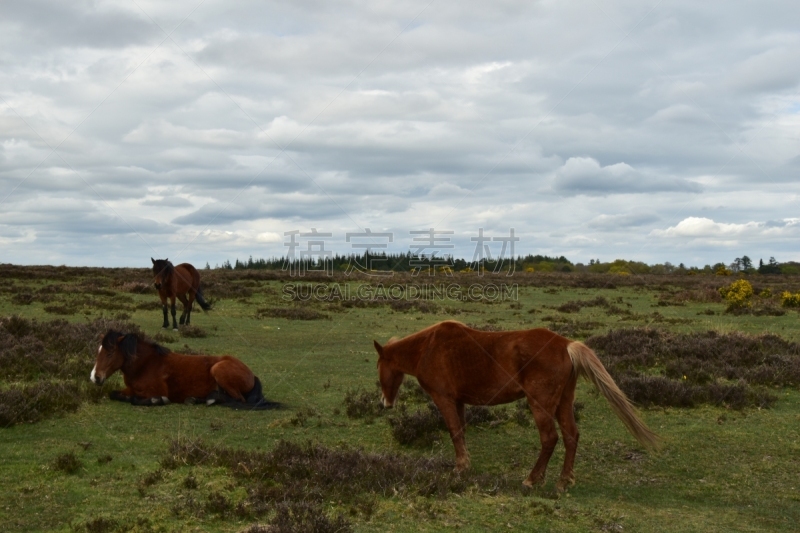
(106, 466)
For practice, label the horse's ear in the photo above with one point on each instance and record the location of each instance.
(153, 260)
(378, 348)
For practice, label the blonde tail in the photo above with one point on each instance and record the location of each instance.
(586, 364)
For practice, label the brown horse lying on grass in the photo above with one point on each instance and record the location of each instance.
(457, 365)
(156, 376)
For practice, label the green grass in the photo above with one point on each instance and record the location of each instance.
(719, 470)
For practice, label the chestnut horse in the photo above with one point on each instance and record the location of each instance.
(156, 376)
(182, 282)
(457, 365)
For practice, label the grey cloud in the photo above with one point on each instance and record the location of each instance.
(75, 23)
(582, 175)
(249, 208)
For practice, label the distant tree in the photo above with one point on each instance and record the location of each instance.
(747, 263)
(772, 267)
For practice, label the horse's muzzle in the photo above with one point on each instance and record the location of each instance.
(94, 378)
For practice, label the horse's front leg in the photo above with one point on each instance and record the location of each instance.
(149, 401)
(543, 414)
(165, 325)
(453, 414)
(123, 395)
(150, 395)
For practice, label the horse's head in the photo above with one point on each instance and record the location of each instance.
(115, 350)
(390, 377)
(162, 270)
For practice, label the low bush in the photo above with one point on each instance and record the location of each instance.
(315, 473)
(306, 517)
(698, 368)
(738, 294)
(49, 363)
(790, 300)
(361, 403)
(192, 332)
(67, 462)
(421, 427)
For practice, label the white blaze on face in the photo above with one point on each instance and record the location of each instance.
(93, 375)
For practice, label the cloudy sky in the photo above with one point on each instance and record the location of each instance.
(204, 130)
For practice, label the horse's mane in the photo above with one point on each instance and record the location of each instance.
(425, 331)
(129, 344)
(164, 266)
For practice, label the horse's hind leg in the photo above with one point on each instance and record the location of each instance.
(174, 321)
(190, 298)
(234, 378)
(569, 430)
(185, 314)
(543, 413)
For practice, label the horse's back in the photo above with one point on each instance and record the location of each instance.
(491, 366)
(188, 275)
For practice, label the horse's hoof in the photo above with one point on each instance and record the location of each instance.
(531, 483)
(174, 329)
(564, 483)
(210, 402)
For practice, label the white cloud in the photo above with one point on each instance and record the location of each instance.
(706, 230)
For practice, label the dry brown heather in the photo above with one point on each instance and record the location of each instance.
(45, 363)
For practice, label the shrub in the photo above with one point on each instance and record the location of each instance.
(790, 300)
(738, 294)
(304, 517)
(32, 403)
(313, 472)
(421, 428)
(54, 358)
(67, 463)
(192, 332)
(360, 403)
(698, 367)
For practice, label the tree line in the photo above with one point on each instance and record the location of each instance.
(408, 262)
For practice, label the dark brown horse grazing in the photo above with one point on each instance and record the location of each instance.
(182, 282)
(156, 376)
(457, 365)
